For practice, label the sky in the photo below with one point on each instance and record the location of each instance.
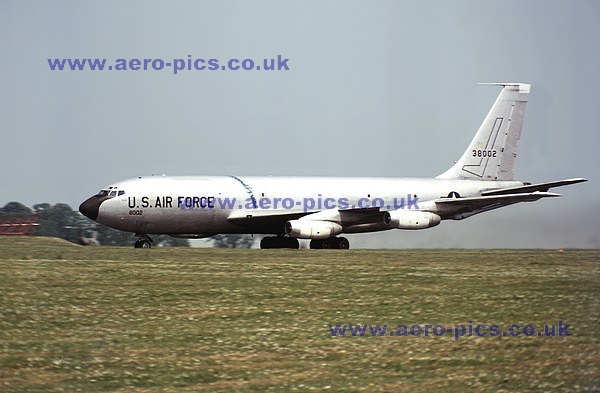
(380, 88)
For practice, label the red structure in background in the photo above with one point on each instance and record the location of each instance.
(18, 225)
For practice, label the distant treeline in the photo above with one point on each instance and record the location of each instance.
(61, 221)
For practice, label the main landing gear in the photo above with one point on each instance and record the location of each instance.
(144, 241)
(340, 243)
(279, 242)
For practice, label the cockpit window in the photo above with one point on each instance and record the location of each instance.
(111, 192)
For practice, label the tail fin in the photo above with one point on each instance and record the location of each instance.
(493, 151)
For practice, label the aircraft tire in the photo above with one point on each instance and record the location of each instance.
(315, 244)
(279, 242)
(343, 243)
(292, 242)
(266, 243)
(142, 244)
(340, 243)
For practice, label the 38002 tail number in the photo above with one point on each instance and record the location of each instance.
(484, 153)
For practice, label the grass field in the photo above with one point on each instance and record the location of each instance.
(120, 319)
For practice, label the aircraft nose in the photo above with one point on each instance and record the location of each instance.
(91, 206)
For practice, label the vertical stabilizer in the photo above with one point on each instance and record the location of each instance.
(493, 151)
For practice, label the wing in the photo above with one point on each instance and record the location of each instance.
(263, 221)
(273, 221)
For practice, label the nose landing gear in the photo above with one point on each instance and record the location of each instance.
(144, 241)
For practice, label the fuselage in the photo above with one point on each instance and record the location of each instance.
(204, 205)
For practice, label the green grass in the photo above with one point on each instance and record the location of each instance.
(120, 319)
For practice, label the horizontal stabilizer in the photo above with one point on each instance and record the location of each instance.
(478, 202)
(520, 87)
(544, 187)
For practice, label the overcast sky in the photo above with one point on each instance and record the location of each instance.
(378, 88)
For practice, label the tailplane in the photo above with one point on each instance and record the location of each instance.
(493, 151)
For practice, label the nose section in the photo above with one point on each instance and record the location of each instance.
(91, 206)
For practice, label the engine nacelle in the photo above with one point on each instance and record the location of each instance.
(406, 219)
(308, 229)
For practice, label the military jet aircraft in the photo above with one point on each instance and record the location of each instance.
(321, 208)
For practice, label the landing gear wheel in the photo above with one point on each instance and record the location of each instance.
(292, 242)
(144, 241)
(142, 244)
(315, 244)
(266, 243)
(279, 242)
(340, 243)
(343, 243)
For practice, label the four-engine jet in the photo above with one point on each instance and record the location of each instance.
(321, 208)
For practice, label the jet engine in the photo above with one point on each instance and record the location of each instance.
(406, 219)
(308, 229)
